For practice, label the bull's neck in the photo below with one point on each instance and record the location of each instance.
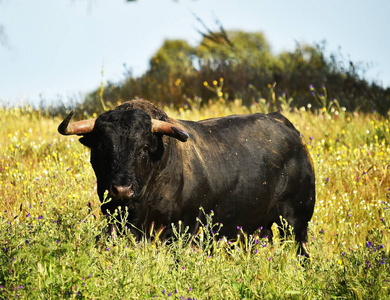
(166, 169)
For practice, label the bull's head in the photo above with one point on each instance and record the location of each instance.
(124, 146)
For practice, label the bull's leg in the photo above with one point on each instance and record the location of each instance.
(267, 233)
(298, 210)
(301, 238)
(297, 219)
(303, 249)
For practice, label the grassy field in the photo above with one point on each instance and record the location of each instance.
(50, 216)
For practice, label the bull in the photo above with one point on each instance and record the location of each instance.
(248, 169)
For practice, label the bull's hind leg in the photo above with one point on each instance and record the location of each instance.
(301, 238)
(267, 232)
(302, 214)
(298, 229)
(297, 214)
(297, 208)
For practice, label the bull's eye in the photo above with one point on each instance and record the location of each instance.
(144, 152)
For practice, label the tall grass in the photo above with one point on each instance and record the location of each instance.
(50, 218)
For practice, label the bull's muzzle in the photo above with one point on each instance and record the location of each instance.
(122, 192)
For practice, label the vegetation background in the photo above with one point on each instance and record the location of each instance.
(50, 218)
(179, 73)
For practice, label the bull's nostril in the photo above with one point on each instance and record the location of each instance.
(114, 191)
(122, 191)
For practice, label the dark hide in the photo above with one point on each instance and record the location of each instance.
(248, 169)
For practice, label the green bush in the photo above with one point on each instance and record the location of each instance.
(250, 71)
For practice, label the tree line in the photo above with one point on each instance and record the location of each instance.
(240, 65)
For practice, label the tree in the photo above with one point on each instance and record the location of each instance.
(243, 62)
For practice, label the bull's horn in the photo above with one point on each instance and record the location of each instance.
(80, 127)
(169, 129)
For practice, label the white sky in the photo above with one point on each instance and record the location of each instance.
(57, 48)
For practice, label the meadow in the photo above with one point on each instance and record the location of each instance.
(50, 217)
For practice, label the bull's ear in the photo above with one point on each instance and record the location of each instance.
(170, 130)
(87, 140)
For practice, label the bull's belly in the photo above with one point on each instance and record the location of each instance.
(248, 218)
(246, 210)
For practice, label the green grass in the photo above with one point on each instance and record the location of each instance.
(50, 217)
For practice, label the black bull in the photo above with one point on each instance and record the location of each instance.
(248, 169)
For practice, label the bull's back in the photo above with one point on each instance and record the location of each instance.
(241, 138)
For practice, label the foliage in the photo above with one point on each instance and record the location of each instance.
(50, 218)
(246, 63)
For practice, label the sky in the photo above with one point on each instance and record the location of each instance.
(59, 50)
